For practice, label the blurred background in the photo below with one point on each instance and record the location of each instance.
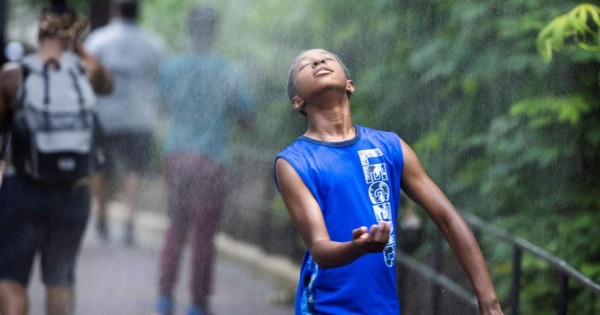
(500, 99)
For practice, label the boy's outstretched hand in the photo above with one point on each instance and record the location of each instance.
(372, 240)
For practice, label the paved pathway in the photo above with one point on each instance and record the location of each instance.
(116, 280)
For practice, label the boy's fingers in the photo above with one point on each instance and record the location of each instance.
(373, 231)
(356, 233)
(383, 232)
(386, 228)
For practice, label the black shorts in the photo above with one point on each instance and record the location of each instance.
(134, 152)
(45, 219)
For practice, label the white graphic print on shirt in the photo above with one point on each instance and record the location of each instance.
(376, 177)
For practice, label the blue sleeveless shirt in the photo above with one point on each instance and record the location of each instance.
(356, 183)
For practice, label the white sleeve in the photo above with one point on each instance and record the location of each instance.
(92, 44)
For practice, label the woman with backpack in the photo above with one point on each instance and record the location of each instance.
(45, 202)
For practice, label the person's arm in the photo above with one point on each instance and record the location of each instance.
(419, 187)
(9, 84)
(100, 77)
(308, 218)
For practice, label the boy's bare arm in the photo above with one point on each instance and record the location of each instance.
(308, 218)
(420, 188)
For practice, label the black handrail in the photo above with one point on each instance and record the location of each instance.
(524, 245)
(565, 271)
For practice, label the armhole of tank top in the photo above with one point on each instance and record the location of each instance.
(294, 167)
(275, 171)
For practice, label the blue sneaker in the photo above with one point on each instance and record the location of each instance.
(164, 306)
(194, 310)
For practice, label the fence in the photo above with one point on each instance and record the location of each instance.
(435, 274)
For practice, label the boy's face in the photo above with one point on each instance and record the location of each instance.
(317, 71)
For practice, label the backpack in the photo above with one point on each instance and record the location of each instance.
(53, 130)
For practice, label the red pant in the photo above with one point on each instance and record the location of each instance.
(196, 192)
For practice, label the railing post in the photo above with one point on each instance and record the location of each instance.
(266, 232)
(562, 294)
(516, 282)
(477, 234)
(438, 262)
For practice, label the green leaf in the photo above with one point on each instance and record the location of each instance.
(545, 110)
(574, 25)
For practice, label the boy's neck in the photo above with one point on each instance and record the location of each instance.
(331, 123)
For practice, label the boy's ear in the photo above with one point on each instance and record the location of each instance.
(297, 103)
(350, 87)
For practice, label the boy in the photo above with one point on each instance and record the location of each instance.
(341, 184)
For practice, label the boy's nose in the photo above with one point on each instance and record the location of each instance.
(317, 62)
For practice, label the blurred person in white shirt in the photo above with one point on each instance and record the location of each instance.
(128, 115)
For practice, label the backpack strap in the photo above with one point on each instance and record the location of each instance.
(77, 87)
(46, 83)
(73, 76)
(46, 100)
(25, 71)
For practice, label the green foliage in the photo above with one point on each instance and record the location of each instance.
(516, 142)
(548, 109)
(580, 25)
(576, 233)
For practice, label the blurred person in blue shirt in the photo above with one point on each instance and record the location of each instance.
(204, 95)
(128, 115)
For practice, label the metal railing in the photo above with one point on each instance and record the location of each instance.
(564, 270)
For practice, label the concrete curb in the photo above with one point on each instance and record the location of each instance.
(278, 269)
